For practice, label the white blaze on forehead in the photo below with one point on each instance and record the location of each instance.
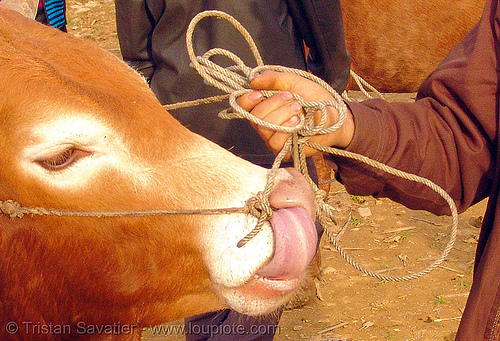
(72, 131)
(105, 147)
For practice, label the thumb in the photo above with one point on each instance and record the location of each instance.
(274, 80)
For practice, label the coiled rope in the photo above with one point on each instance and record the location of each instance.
(234, 80)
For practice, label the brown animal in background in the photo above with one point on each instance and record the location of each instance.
(395, 44)
(80, 130)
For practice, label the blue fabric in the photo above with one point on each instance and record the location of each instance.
(55, 13)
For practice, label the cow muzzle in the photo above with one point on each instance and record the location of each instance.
(292, 243)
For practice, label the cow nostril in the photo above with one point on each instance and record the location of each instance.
(292, 190)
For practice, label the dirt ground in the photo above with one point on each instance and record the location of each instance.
(382, 235)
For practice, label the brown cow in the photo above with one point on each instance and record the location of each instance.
(80, 130)
(395, 44)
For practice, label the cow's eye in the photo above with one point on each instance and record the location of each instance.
(62, 160)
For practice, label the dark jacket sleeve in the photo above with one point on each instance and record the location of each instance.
(449, 135)
(135, 23)
(321, 27)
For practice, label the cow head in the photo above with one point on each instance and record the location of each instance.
(80, 130)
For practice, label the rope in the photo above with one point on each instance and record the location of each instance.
(403, 175)
(361, 83)
(14, 210)
(234, 80)
(196, 102)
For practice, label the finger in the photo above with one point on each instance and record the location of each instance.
(249, 100)
(286, 115)
(277, 141)
(273, 103)
(274, 80)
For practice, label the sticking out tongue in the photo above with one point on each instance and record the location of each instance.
(295, 242)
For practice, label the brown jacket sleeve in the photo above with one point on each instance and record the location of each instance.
(448, 135)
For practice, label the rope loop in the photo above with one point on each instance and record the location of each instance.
(259, 206)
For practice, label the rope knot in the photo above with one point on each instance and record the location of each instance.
(259, 206)
(11, 208)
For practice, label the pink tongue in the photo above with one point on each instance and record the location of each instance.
(295, 241)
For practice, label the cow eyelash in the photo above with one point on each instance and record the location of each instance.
(62, 160)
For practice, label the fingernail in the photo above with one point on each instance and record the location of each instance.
(253, 75)
(255, 96)
(293, 121)
(296, 106)
(287, 95)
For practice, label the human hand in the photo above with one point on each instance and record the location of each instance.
(282, 109)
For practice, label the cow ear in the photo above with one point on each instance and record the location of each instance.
(28, 8)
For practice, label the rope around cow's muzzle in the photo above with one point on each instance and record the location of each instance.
(234, 80)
